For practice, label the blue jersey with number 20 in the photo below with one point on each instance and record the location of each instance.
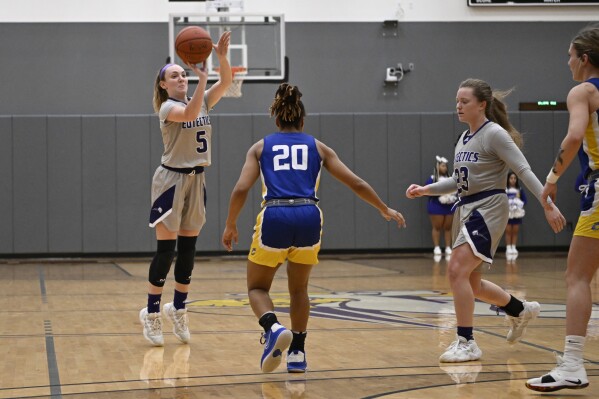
(290, 166)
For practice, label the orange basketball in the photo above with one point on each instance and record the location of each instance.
(193, 44)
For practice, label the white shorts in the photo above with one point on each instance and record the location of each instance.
(178, 200)
(481, 224)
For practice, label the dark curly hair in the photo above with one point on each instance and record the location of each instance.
(287, 107)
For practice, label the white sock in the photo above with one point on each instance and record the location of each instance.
(574, 348)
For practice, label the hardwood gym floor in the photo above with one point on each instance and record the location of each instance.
(70, 329)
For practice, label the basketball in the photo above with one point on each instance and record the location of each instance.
(193, 44)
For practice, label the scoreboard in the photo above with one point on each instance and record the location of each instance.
(476, 3)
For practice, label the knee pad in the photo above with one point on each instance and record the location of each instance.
(161, 264)
(186, 252)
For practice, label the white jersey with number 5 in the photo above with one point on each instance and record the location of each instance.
(186, 144)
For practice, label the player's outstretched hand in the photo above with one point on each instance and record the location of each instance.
(414, 191)
(222, 48)
(392, 214)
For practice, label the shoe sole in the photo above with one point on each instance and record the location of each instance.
(459, 361)
(555, 388)
(273, 360)
(152, 342)
(182, 340)
(296, 371)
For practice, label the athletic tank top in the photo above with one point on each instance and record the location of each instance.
(590, 142)
(290, 166)
(186, 144)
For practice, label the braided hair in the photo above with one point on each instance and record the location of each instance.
(287, 107)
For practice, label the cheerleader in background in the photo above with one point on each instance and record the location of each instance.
(439, 209)
(517, 200)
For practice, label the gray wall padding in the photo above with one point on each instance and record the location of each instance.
(81, 184)
(109, 68)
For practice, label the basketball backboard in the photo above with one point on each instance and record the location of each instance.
(257, 42)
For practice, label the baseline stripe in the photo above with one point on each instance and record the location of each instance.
(54, 377)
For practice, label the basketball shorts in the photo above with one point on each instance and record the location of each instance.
(481, 225)
(515, 221)
(287, 232)
(434, 207)
(178, 200)
(588, 221)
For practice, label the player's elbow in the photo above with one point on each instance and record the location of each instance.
(240, 190)
(573, 139)
(226, 82)
(358, 185)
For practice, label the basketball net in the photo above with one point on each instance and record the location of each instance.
(239, 74)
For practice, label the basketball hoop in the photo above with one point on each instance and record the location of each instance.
(238, 73)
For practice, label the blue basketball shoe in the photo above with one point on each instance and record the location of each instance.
(296, 362)
(276, 341)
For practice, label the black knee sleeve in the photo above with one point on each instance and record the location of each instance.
(186, 253)
(161, 264)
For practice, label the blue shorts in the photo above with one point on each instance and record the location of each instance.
(287, 232)
(434, 207)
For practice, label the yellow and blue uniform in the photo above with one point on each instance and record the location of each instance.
(290, 223)
(588, 222)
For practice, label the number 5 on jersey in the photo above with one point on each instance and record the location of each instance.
(202, 142)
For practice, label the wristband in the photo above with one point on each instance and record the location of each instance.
(552, 177)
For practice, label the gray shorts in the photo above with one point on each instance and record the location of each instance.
(481, 224)
(178, 200)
